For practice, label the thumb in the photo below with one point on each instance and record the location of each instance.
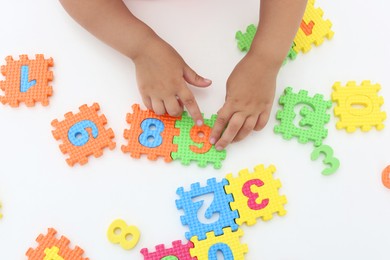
(194, 79)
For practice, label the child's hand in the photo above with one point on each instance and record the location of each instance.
(162, 77)
(249, 97)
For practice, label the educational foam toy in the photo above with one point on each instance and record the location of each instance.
(193, 143)
(26, 81)
(219, 205)
(313, 29)
(255, 195)
(52, 254)
(244, 40)
(150, 134)
(119, 233)
(329, 159)
(228, 243)
(312, 125)
(49, 241)
(386, 177)
(178, 251)
(358, 106)
(83, 134)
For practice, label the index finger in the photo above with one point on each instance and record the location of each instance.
(188, 100)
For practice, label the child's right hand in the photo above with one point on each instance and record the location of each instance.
(162, 77)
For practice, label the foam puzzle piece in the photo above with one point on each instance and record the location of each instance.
(26, 81)
(178, 251)
(1, 215)
(193, 143)
(358, 106)
(292, 55)
(329, 159)
(219, 205)
(49, 241)
(83, 134)
(313, 30)
(312, 125)
(386, 177)
(256, 195)
(118, 232)
(52, 254)
(228, 243)
(244, 40)
(150, 134)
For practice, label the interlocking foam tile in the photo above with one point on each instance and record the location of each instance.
(312, 126)
(244, 40)
(313, 30)
(292, 55)
(386, 177)
(150, 134)
(255, 195)
(178, 250)
(358, 106)
(52, 254)
(26, 81)
(228, 243)
(329, 159)
(83, 134)
(49, 241)
(193, 143)
(219, 205)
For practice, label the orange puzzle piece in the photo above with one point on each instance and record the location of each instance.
(83, 134)
(150, 134)
(26, 81)
(49, 241)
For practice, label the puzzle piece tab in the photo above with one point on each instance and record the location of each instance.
(312, 126)
(26, 81)
(219, 206)
(228, 243)
(313, 30)
(83, 134)
(178, 251)
(193, 143)
(255, 195)
(150, 134)
(49, 241)
(358, 106)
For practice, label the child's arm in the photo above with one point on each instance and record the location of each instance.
(161, 72)
(251, 86)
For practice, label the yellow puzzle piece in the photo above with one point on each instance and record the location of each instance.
(313, 30)
(255, 195)
(52, 254)
(358, 106)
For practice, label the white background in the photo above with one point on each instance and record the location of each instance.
(343, 216)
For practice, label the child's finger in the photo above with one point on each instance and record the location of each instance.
(234, 126)
(158, 106)
(173, 107)
(194, 79)
(246, 128)
(262, 120)
(147, 102)
(188, 100)
(224, 115)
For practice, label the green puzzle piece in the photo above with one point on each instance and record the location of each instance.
(184, 142)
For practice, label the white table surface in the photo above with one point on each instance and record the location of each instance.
(343, 216)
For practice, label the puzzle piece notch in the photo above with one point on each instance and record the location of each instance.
(95, 146)
(48, 241)
(179, 250)
(15, 91)
(135, 147)
(265, 196)
(320, 29)
(368, 113)
(329, 159)
(314, 119)
(186, 152)
(219, 205)
(228, 242)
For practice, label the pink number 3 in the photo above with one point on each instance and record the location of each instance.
(246, 190)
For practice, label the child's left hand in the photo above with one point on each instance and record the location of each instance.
(250, 92)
